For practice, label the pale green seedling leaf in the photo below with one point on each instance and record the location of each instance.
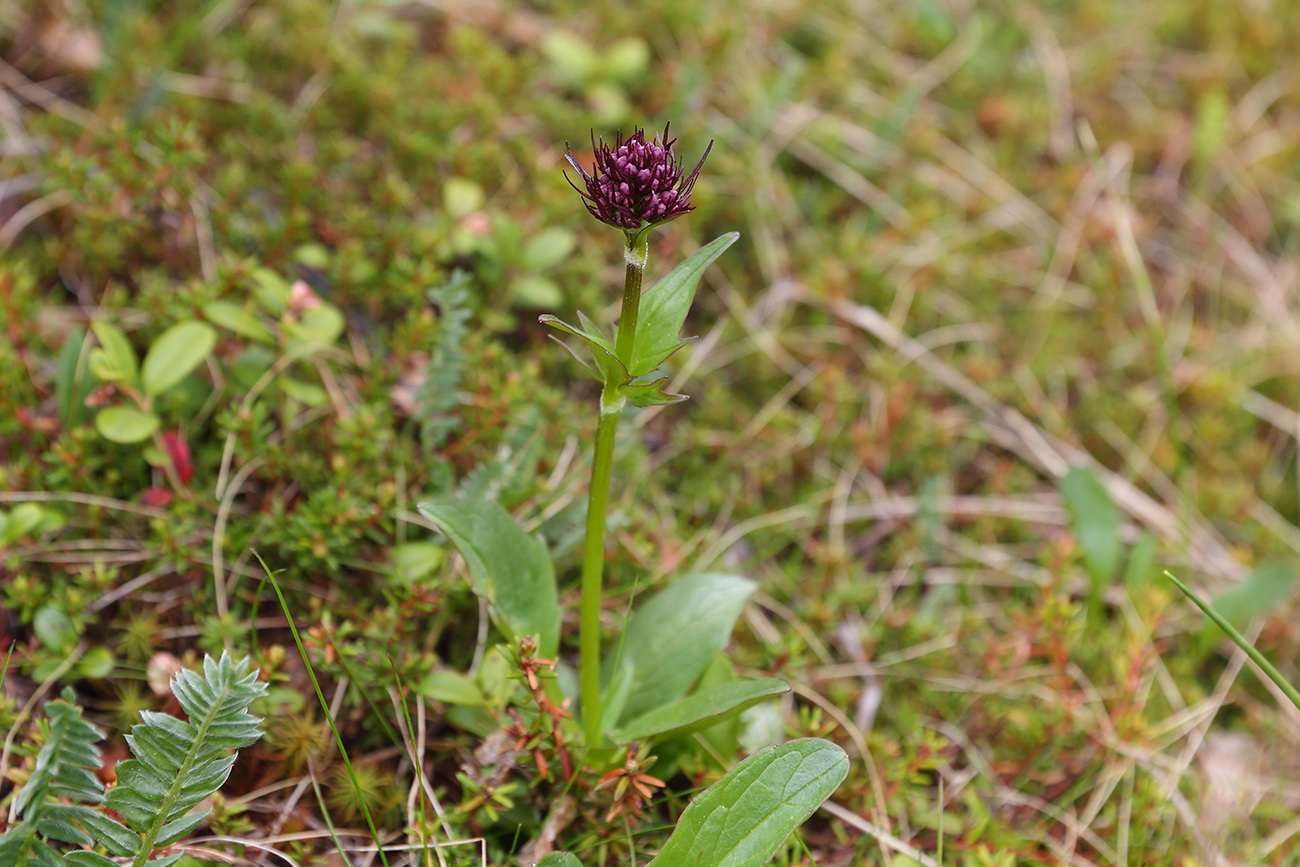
(243, 320)
(125, 424)
(741, 820)
(673, 636)
(415, 561)
(664, 307)
(699, 710)
(450, 687)
(559, 859)
(176, 353)
(547, 249)
(73, 379)
(1141, 566)
(534, 290)
(507, 567)
(1096, 523)
(115, 362)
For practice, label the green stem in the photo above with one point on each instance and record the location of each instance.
(593, 564)
(635, 254)
(593, 554)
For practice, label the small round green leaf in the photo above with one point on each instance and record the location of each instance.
(54, 629)
(174, 354)
(560, 859)
(96, 664)
(125, 424)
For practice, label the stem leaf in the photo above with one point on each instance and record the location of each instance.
(664, 307)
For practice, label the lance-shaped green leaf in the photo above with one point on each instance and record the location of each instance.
(1096, 523)
(673, 636)
(175, 353)
(507, 567)
(650, 393)
(742, 819)
(699, 710)
(664, 307)
(606, 367)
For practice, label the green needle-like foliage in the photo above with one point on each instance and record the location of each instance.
(63, 771)
(177, 764)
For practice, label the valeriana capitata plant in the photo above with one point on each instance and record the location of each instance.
(640, 690)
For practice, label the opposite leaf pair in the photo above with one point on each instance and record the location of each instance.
(663, 312)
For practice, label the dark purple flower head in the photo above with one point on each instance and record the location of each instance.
(636, 183)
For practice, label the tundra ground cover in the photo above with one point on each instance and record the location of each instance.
(981, 244)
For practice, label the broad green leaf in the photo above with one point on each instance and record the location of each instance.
(742, 819)
(451, 687)
(722, 738)
(559, 859)
(673, 636)
(699, 710)
(664, 307)
(547, 249)
(509, 568)
(54, 629)
(73, 379)
(1265, 589)
(116, 362)
(243, 320)
(125, 424)
(176, 353)
(1096, 523)
(86, 858)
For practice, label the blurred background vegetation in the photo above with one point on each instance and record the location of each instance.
(983, 243)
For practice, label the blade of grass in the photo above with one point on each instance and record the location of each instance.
(320, 696)
(1256, 657)
(415, 757)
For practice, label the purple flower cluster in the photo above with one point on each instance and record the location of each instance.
(636, 182)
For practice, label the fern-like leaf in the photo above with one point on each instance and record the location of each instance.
(500, 478)
(178, 764)
(63, 771)
(439, 394)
